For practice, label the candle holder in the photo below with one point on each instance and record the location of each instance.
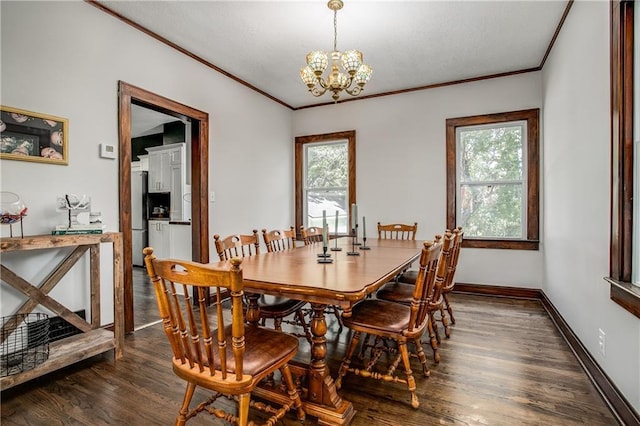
(335, 247)
(356, 243)
(364, 245)
(324, 257)
(354, 237)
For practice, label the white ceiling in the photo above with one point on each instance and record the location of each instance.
(408, 44)
(145, 121)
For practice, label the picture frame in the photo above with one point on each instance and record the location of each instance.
(32, 136)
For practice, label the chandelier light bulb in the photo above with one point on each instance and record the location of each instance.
(317, 61)
(351, 61)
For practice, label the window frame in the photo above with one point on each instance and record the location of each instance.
(532, 167)
(300, 142)
(622, 291)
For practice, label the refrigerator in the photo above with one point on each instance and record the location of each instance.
(139, 215)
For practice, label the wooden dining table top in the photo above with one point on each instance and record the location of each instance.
(297, 274)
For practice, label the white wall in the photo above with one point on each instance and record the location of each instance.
(577, 194)
(400, 152)
(68, 64)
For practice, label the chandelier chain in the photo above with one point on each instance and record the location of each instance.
(335, 30)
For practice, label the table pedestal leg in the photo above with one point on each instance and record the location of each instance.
(319, 398)
(323, 399)
(253, 309)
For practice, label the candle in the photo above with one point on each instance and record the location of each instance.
(364, 227)
(354, 215)
(336, 223)
(324, 229)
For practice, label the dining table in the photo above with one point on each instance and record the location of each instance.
(356, 271)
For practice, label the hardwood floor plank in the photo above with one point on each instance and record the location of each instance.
(505, 364)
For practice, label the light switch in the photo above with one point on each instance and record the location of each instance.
(212, 197)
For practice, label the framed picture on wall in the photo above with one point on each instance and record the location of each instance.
(32, 136)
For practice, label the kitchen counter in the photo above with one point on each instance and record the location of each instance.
(179, 222)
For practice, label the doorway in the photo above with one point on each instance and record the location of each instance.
(129, 95)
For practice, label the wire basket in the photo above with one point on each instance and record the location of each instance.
(24, 342)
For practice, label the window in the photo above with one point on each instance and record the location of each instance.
(492, 179)
(325, 178)
(622, 291)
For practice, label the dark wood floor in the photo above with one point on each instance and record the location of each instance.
(505, 364)
(145, 308)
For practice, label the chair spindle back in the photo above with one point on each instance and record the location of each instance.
(397, 231)
(432, 272)
(311, 235)
(278, 240)
(237, 245)
(187, 326)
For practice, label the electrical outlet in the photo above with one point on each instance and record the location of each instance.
(601, 341)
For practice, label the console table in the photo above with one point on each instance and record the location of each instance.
(94, 339)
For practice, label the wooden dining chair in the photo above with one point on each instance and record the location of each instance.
(313, 236)
(271, 307)
(397, 323)
(227, 357)
(279, 308)
(397, 231)
(410, 276)
(237, 245)
(449, 283)
(277, 240)
(403, 293)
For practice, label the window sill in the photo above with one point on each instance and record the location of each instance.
(501, 244)
(626, 295)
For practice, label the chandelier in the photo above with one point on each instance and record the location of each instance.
(354, 71)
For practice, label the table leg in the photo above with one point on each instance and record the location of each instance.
(253, 309)
(320, 398)
(323, 400)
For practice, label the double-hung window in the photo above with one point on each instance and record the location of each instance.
(492, 179)
(325, 179)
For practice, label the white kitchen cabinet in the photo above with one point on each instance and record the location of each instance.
(160, 238)
(167, 173)
(159, 169)
(144, 162)
(177, 192)
(180, 236)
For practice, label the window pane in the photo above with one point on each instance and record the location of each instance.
(491, 211)
(327, 166)
(330, 201)
(491, 154)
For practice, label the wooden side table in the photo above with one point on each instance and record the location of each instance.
(94, 339)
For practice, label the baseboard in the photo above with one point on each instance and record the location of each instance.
(610, 393)
(498, 291)
(620, 407)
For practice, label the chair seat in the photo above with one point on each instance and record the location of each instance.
(264, 349)
(278, 306)
(378, 316)
(396, 292)
(409, 276)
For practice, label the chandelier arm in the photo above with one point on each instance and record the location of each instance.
(315, 92)
(322, 83)
(355, 91)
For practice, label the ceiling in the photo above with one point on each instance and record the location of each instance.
(145, 121)
(409, 44)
